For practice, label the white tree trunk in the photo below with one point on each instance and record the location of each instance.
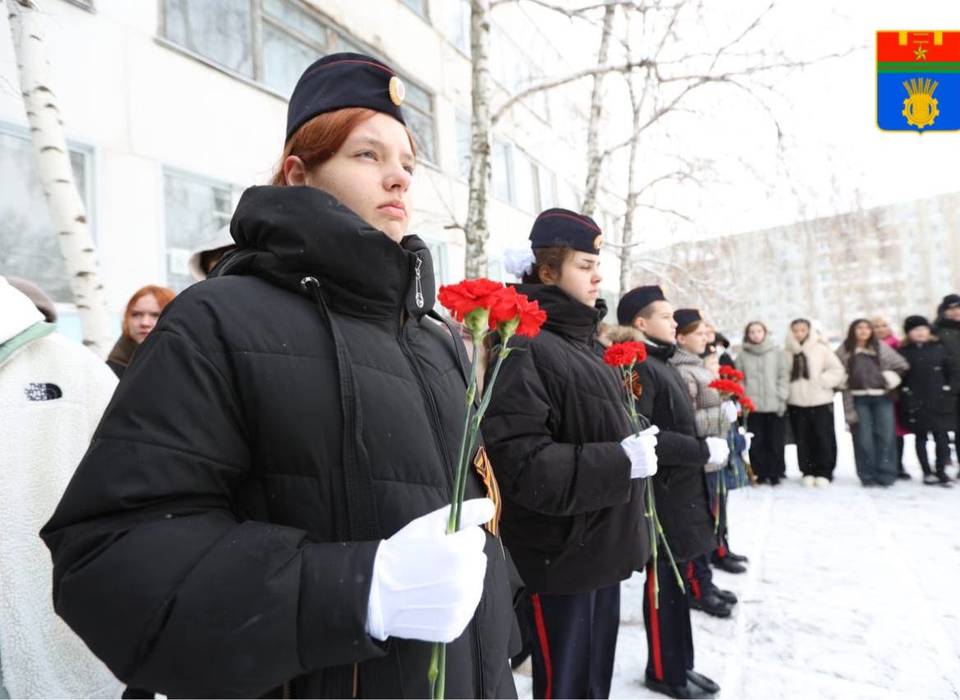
(596, 111)
(56, 176)
(476, 231)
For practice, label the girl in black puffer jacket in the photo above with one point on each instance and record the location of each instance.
(271, 518)
(928, 396)
(569, 468)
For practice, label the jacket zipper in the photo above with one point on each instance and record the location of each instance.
(418, 282)
(425, 392)
(479, 648)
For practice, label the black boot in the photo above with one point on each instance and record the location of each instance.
(727, 564)
(943, 479)
(728, 597)
(687, 690)
(711, 604)
(707, 684)
(739, 558)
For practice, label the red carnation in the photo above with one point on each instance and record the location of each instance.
(508, 307)
(746, 403)
(532, 317)
(625, 354)
(465, 297)
(728, 372)
(727, 386)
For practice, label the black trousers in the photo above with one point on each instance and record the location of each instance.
(669, 635)
(815, 438)
(574, 643)
(766, 450)
(698, 576)
(942, 441)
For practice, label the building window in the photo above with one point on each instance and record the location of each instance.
(420, 7)
(456, 25)
(502, 167)
(547, 188)
(220, 30)
(438, 251)
(525, 182)
(291, 37)
(463, 146)
(195, 209)
(28, 238)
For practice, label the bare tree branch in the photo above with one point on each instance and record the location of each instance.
(558, 82)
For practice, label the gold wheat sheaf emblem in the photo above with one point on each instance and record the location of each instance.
(920, 108)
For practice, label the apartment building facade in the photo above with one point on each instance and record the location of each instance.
(173, 107)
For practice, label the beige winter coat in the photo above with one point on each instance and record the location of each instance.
(824, 368)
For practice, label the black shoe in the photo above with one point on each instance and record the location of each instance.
(711, 604)
(903, 476)
(943, 479)
(687, 690)
(739, 558)
(707, 684)
(728, 565)
(728, 597)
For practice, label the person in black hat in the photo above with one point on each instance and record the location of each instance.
(272, 520)
(928, 396)
(947, 328)
(569, 465)
(645, 315)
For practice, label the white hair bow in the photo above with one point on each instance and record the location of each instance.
(518, 261)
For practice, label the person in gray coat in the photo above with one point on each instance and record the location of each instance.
(766, 370)
(874, 370)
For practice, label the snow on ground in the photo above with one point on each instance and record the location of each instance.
(850, 593)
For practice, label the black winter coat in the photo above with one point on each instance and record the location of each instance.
(679, 483)
(572, 517)
(218, 538)
(928, 398)
(949, 334)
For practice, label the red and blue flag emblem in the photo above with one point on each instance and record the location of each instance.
(918, 81)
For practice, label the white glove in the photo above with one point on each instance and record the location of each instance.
(427, 584)
(728, 409)
(719, 452)
(748, 438)
(642, 451)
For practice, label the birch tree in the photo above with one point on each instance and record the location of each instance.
(484, 117)
(56, 176)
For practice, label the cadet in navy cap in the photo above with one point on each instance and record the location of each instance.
(287, 483)
(682, 504)
(565, 453)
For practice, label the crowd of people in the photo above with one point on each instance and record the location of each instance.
(262, 507)
(890, 387)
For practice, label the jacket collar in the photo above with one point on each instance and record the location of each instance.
(19, 313)
(565, 315)
(682, 357)
(660, 350)
(759, 348)
(285, 234)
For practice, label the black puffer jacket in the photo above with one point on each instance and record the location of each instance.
(218, 538)
(949, 333)
(679, 483)
(928, 396)
(572, 517)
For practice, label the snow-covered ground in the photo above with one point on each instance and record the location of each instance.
(850, 593)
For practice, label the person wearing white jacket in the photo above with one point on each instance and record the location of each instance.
(815, 374)
(52, 393)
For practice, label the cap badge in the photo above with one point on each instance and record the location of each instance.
(397, 91)
(598, 242)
